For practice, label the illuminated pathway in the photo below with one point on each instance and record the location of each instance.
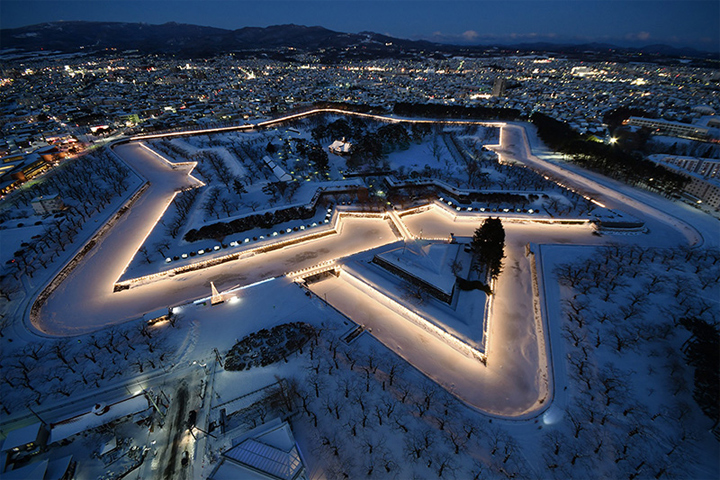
(658, 213)
(512, 382)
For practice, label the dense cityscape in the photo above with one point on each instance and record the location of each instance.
(276, 264)
(61, 101)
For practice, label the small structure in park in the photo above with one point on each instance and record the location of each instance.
(268, 452)
(340, 147)
(45, 204)
(158, 315)
(277, 170)
(216, 297)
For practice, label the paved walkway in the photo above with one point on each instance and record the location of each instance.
(509, 385)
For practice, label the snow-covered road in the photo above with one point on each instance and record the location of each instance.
(511, 384)
(85, 302)
(663, 216)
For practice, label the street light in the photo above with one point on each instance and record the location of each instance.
(612, 141)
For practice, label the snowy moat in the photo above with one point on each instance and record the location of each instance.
(569, 355)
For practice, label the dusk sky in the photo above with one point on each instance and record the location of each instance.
(694, 23)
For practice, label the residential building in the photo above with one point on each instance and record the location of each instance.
(664, 127)
(45, 204)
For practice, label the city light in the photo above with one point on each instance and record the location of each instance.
(500, 346)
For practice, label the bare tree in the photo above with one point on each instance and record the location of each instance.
(9, 286)
(613, 385)
(416, 444)
(425, 401)
(34, 350)
(624, 338)
(457, 439)
(394, 369)
(162, 246)
(444, 465)
(576, 420)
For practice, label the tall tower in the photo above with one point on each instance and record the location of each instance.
(499, 87)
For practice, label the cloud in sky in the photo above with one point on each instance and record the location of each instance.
(693, 22)
(470, 35)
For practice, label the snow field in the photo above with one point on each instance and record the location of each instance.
(661, 430)
(623, 390)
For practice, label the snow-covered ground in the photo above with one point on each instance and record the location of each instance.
(501, 419)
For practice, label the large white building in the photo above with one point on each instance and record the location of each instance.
(664, 127)
(706, 190)
(699, 189)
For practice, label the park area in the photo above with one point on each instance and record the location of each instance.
(338, 307)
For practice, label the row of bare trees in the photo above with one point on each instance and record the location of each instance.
(372, 416)
(631, 413)
(108, 177)
(45, 371)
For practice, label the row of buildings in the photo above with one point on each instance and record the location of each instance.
(49, 98)
(703, 175)
(51, 107)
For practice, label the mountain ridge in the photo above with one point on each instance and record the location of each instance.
(189, 40)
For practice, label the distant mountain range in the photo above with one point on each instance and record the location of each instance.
(283, 40)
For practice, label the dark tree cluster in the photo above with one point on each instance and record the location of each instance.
(353, 107)
(220, 230)
(615, 117)
(314, 152)
(367, 153)
(268, 346)
(369, 150)
(393, 136)
(609, 160)
(488, 245)
(336, 130)
(702, 351)
(434, 110)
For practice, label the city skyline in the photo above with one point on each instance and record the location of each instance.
(694, 23)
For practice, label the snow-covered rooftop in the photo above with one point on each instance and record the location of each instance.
(427, 261)
(271, 454)
(85, 421)
(22, 436)
(268, 459)
(339, 146)
(34, 471)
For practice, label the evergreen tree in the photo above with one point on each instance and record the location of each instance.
(488, 244)
(319, 158)
(702, 351)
